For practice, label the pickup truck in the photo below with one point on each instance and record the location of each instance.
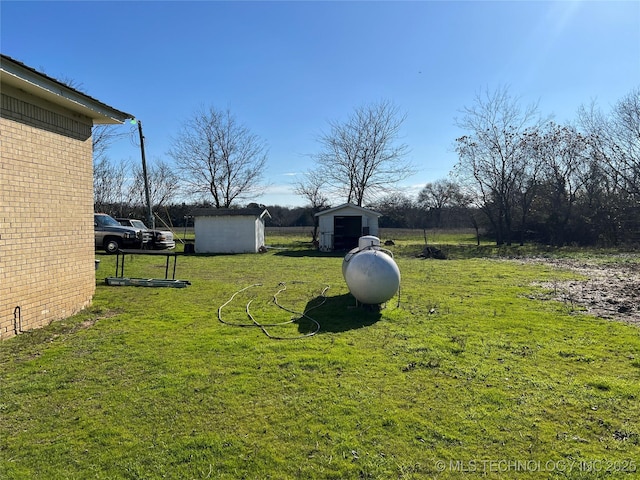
(111, 235)
(159, 239)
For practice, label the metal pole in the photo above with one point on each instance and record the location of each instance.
(151, 221)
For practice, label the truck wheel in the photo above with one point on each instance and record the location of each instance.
(111, 245)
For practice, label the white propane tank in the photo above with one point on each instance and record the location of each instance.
(368, 241)
(370, 272)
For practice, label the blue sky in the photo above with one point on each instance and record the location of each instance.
(285, 69)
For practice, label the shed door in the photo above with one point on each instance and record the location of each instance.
(346, 232)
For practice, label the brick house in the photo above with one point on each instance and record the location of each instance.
(47, 256)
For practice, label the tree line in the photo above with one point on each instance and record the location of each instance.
(536, 179)
(519, 176)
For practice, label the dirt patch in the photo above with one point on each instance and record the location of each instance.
(432, 252)
(65, 327)
(609, 290)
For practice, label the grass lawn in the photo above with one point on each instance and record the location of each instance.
(466, 376)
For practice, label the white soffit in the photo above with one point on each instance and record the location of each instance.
(30, 81)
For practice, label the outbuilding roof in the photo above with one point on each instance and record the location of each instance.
(27, 79)
(231, 212)
(352, 206)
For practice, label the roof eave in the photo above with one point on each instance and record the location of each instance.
(29, 80)
(347, 205)
(231, 212)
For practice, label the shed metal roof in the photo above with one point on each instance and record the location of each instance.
(348, 205)
(231, 212)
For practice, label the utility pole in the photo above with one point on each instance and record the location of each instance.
(151, 221)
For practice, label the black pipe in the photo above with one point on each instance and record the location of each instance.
(17, 320)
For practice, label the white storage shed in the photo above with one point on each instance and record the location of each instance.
(341, 227)
(226, 230)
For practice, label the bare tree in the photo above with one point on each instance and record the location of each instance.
(312, 188)
(110, 184)
(109, 178)
(398, 210)
(615, 139)
(362, 157)
(441, 194)
(164, 184)
(102, 136)
(492, 158)
(219, 156)
(560, 154)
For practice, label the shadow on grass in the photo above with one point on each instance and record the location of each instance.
(453, 252)
(337, 314)
(279, 252)
(309, 253)
(469, 251)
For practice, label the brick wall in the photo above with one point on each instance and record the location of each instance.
(46, 212)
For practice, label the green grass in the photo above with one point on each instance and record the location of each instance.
(148, 383)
